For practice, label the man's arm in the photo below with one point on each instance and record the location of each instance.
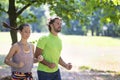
(39, 52)
(62, 63)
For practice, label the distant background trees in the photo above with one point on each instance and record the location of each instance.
(99, 17)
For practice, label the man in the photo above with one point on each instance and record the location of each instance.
(50, 47)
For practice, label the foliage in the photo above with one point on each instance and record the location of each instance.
(40, 24)
(75, 29)
(110, 9)
(69, 10)
(83, 68)
(102, 11)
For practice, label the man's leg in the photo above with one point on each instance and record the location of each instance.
(57, 75)
(44, 75)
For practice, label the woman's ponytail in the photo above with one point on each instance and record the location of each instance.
(7, 26)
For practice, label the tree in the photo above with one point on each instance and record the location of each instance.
(110, 11)
(67, 9)
(13, 12)
(16, 7)
(85, 9)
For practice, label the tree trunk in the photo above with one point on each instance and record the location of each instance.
(97, 31)
(12, 19)
(92, 31)
(13, 34)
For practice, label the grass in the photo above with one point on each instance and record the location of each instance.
(5, 36)
(87, 68)
(92, 50)
(91, 40)
(71, 39)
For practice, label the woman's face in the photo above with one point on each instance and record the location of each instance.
(25, 33)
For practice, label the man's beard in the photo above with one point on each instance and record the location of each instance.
(57, 30)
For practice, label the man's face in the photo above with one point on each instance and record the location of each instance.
(57, 25)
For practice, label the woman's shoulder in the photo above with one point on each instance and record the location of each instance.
(15, 46)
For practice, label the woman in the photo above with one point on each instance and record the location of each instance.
(21, 55)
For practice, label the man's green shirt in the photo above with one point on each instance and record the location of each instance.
(51, 46)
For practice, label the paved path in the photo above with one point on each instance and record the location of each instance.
(73, 75)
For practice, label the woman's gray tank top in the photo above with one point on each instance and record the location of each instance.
(26, 58)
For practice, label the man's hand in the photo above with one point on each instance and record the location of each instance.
(52, 65)
(68, 66)
(40, 58)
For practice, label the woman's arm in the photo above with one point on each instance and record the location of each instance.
(8, 58)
